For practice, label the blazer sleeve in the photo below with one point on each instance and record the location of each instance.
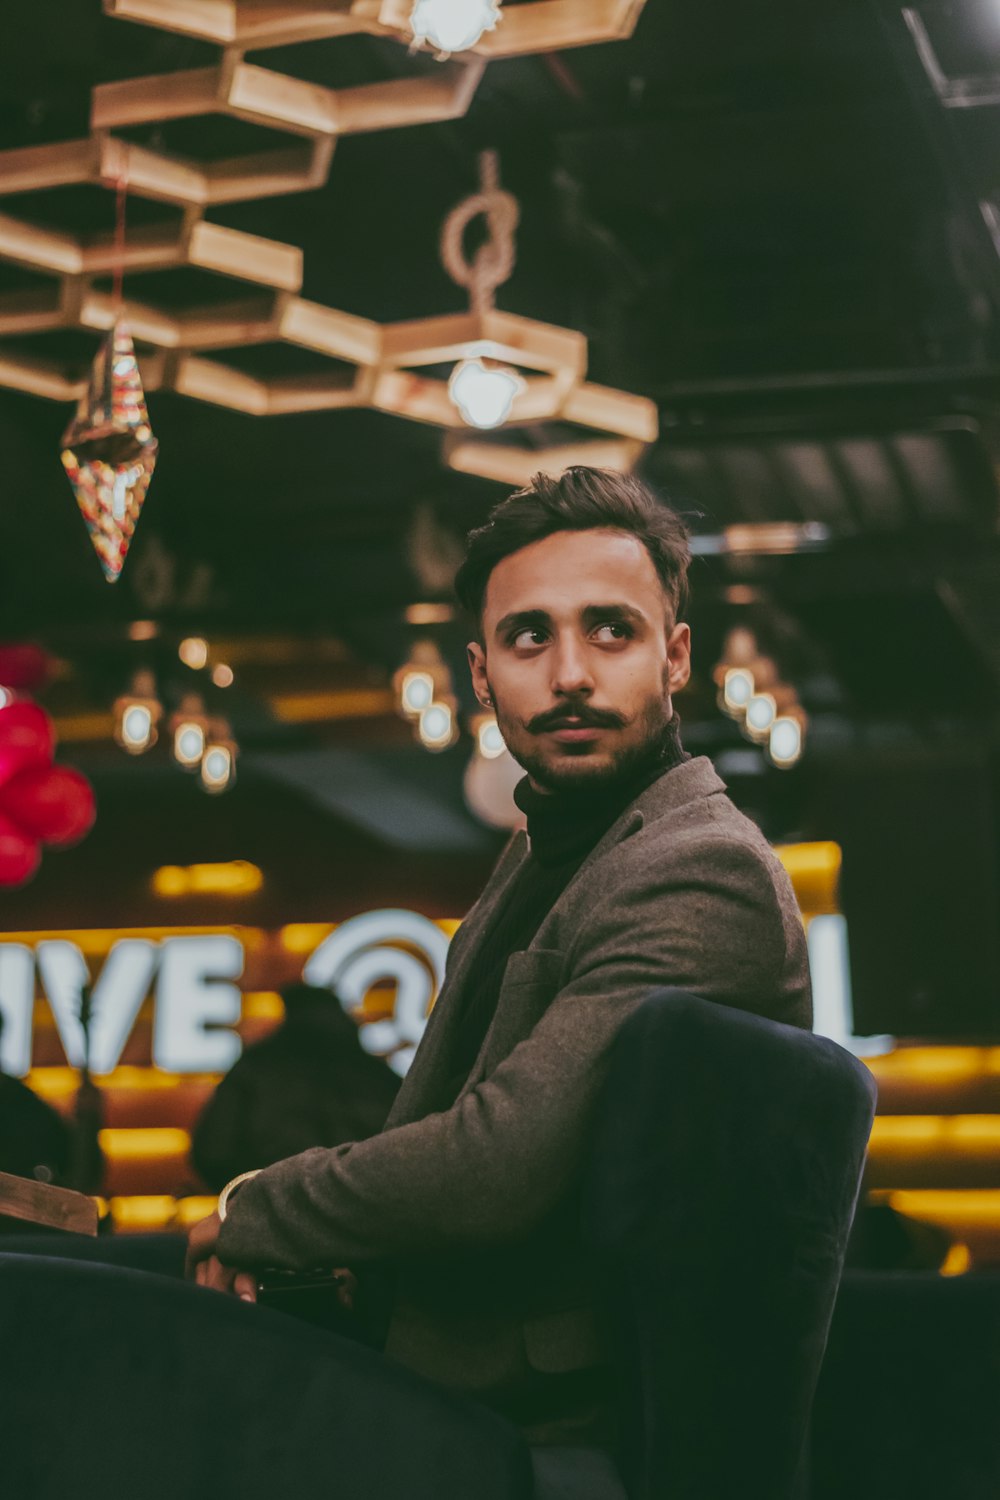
(488, 1169)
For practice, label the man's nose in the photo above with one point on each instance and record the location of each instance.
(571, 675)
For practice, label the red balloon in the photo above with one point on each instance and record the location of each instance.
(23, 666)
(26, 738)
(20, 854)
(51, 803)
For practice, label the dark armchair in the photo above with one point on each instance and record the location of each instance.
(720, 1195)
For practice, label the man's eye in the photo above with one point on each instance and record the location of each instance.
(619, 630)
(524, 639)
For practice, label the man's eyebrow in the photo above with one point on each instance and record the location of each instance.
(522, 619)
(597, 614)
(591, 614)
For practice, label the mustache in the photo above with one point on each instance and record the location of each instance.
(575, 716)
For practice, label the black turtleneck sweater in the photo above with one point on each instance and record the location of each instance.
(563, 827)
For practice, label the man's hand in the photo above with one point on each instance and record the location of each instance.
(201, 1244)
(204, 1266)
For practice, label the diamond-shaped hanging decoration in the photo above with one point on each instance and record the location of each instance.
(109, 451)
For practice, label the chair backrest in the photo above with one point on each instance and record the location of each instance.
(719, 1197)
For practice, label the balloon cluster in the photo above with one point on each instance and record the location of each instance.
(40, 803)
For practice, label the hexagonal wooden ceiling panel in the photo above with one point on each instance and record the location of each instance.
(531, 26)
(350, 361)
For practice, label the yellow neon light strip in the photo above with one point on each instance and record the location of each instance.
(933, 1134)
(356, 703)
(136, 1213)
(304, 937)
(936, 1064)
(62, 1082)
(145, 1143)
(237, 878)
(190, 1210)
(974, 1208)
(149, 1212)
(263, 1005)
(814, 870)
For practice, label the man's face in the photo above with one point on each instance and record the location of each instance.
(579, 657)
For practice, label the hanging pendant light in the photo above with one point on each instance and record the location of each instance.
(453, 25)
(108, 449)
(484, 396)
(504, 370)
(137, 714)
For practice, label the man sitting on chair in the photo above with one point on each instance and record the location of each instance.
(637, 872)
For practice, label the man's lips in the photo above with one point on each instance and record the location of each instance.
(568, 731)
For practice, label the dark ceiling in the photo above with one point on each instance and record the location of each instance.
(780, 221)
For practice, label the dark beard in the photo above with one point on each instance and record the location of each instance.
(575, 778)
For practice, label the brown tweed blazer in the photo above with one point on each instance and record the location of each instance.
(475, 1207)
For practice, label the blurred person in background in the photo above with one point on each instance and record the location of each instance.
(35, 1140)
(309, 1083)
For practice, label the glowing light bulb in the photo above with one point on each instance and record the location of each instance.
(484, 397)
(490, 740)
(217, 768)
(189, 743)
(437, 726)
(222, 675)
(137, 728)
(761, 712)
(785, 742)
(193, 652)
(417, 693)
(453, 25)
(737, 690)
(137, 713)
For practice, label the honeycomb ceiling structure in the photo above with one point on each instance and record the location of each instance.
(246, 25)
(355, 362)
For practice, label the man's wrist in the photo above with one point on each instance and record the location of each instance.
(230, 1188)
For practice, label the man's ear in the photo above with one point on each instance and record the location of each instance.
(678, 657)
(477, 668)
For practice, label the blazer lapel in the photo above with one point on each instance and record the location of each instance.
(423, 1076)
(688, 782)
(530, 976)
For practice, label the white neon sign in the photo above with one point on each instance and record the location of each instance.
(833, 1002)
(363, 951)
(198, 1002)
(194, 1013)
(195, 1007)
(121, 987)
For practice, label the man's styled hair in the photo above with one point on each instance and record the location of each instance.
(580, 499)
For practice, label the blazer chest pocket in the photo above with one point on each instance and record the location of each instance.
(530, 983)
(540, 967)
